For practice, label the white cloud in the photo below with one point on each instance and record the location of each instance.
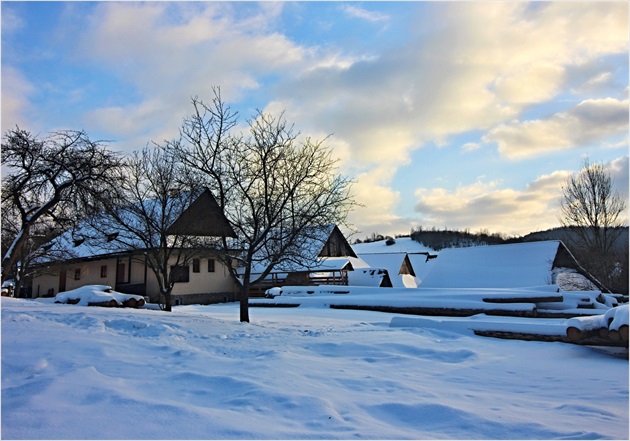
(373, 190)
(16, 92)
(530, 84)
(364, 14)
(11, 21)
(591, 122)
(475, 66)
(485, 205)
(618, 170)
(483, 66)
(171, 52)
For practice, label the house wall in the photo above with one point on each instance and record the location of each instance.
(77, 275)
(43, 283)
(202, 287)
(204, 281)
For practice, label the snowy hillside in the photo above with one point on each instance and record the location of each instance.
(77, 372)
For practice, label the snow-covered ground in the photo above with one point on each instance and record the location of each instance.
(77, 372)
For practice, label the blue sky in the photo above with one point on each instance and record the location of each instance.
(447, 114)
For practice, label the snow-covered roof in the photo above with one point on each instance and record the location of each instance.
(392, 262)
(317, 248)
(493, 266)
(401, 245)
(86, 241)
(323, 264)
(422, 264)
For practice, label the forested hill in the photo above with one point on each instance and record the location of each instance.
(568, 234)
(440, 239)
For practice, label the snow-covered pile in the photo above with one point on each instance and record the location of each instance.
(89, 295)
(527, 301)
(295, 373)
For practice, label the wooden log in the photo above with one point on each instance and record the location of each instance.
(592, 341)
(273, 305)
(614, 335)
(573, 333)
(586, 305)
(131, 303)
(623, 332)
(444, 312)
(560, 314)
(539, 299)
(141, 303)
(508, 335)
(109, 304)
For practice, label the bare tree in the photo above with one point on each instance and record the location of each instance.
(51, 182)
(594, 211)
(273, 188)
(151, 199)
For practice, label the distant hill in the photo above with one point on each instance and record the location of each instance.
(398, 245)
(440, 239)
(568, 236)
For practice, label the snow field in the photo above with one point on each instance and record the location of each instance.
(73, 372)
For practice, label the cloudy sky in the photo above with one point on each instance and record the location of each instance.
(447, 114)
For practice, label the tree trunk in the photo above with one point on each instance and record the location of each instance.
(167, 303)
(245, 302)
(168, 300)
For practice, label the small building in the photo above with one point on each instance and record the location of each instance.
(326, 259)
(405, 261)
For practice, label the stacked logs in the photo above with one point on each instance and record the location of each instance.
(131, 302)
(601, 336)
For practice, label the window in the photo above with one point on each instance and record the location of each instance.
(77, 274)
(103, 271)
(180, 274)
(195, 263)
(210, 265)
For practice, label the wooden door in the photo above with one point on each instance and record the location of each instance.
(62, 281)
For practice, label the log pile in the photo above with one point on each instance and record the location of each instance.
(610, 329)
(586, 339)
(131, 302)
(523, 311)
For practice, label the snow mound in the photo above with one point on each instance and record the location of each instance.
(90, 295)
